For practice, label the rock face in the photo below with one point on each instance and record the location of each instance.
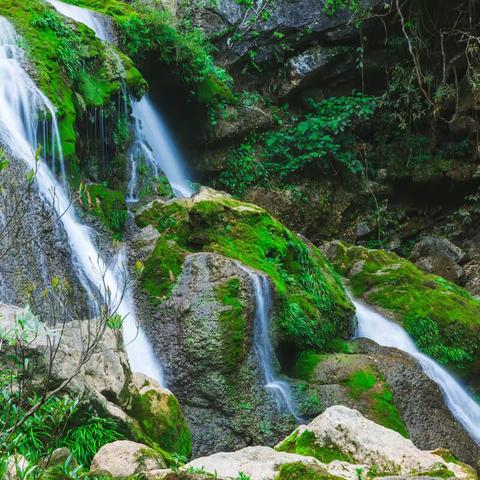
(33, 248)
(204, 333)
(105, 384)
(439, 256)
(388, 387)
(198, 305)
(123, 459)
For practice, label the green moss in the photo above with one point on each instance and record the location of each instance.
(73, 69)
(360, 382)
(233, 322)
(442, 318)
(311, 307)
(108, 205)
(306, 364)
(162, 424)
(299, 471)
(162, 268)
(368, 386)
(304, 444)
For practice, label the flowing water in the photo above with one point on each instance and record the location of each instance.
(153, 142)
(22, 106)
(280, 389)
(387, 333)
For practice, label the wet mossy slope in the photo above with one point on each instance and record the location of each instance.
(442, 318)
(311, 306)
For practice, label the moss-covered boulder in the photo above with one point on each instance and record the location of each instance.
(197, 300)
(157, 417)
(311, 307)
(442, 318)
(388, 387)
(341, 434)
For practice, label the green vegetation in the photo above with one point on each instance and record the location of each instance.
(442, 318)
(233, 322)
(311, 307)
(299, 471)
(85, 440)
(322, 140)
(306, 364)
(108, 205)
(305, 444)
(148, 33)
(72, 67)
(369, 387)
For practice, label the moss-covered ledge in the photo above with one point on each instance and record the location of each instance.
(442, 318)
(311, 306)
(71, 66)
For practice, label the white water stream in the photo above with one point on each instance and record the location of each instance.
(22, 105)
(280, 389)
(389, 334)
(153, 141)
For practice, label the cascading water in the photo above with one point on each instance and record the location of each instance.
(376, 327)
(263, 346)
(153, 141)
(22, 104)
(158, 146)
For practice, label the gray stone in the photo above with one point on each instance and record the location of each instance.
(439, 256)
(217, 382)
(123, 458)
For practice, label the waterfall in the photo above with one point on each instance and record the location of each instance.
(21, 106)
(152, 141)
(387, 333)
(263, 346)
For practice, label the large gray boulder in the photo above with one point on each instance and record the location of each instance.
(347, 433)
(204, 334)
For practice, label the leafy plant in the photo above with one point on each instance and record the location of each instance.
(85, 440)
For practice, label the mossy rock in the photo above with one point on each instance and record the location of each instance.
(300, 471)
(108, 205)
(159, 420)
(442, 318)
(305, 444)
(72, 67)
(311, 306)
(352, 380)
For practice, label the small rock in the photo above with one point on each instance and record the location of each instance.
(124, 458)
(16, 465)
(363, 229)
(58, 457)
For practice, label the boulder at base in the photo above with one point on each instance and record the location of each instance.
(124, 458)
(346, 435)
